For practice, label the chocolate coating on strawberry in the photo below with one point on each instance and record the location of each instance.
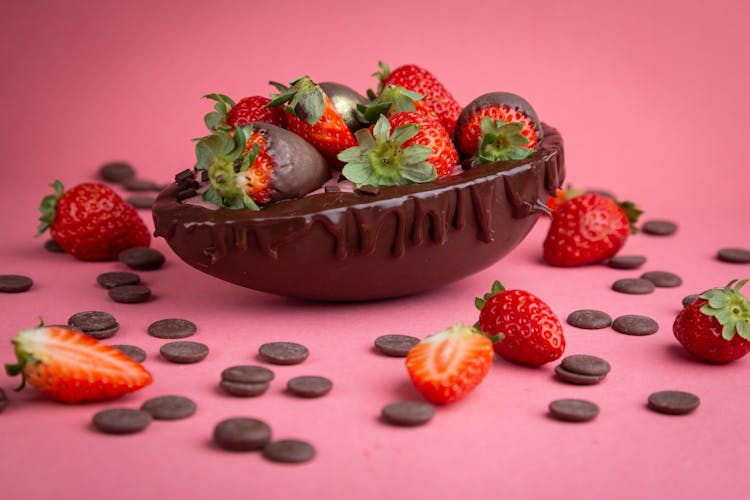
(345, 100)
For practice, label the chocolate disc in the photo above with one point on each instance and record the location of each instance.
(104, 333)
(283, 353)
(635, 324)
(289, 451)
(142, 202)
(586, 364)
(309, 386)
(244, 389)
(673, 402)
(184, 352)
(689, 299)
(589, 319)
(573, 410)
(169, 407)
(408, 413)
(133, 352)
(52, 247)
(658, 227)
(142, 258)
(626, 261)
(15, 283)
(633, 286)
(564, 375)
(130, 294)
(116, 171)
(397, 346)
(734, 255)
(172, 328)
(247, 374)
(113, 279)
(92, 321)
(121, 420)
(662, 279)
(242, 434)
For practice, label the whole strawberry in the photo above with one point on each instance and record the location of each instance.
(73, 367)
(91, 222)
(421, 81)
(588, 228)
(530, 333)
(227, 114)
(408, 147)
(716, 326)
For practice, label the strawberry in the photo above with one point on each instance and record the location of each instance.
(716, 326)
(408, 147)
(446, 366)
(588, 228)
(91, 222)
(498, 126)
(421, 81)
(311, 114)
(258, 164)
(530, 332)
(72, 367)
(227, 114)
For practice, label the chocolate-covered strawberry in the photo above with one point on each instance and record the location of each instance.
(498, 126)
(259, 164)
(227, 114)
(345, 101)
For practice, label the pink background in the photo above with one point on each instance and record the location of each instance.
(651, 98)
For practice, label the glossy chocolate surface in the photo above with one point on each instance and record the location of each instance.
(350, 246)
(345, 100)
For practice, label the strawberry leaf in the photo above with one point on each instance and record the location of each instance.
(730, 308)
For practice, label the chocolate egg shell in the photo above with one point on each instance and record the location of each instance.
(350, 246)
(345, 100)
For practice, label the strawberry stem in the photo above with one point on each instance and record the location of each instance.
(730, 308)
(48, 207)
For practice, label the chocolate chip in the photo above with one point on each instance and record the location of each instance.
(142, 202)
(113, 279)
(204, 176)
(634, 324)
(3, 400)
(309, 386)
(689, 299)
(15, 283)
(585, 364)
(244, 389)
(186, 193)
(408, 413)
(183, 351)
(626, 261)
(369, 189)
(130, 294)
(247, 374)
(242, 434)
(673, 402)
(658, 227)
(396, 345)
(633, 286)
(662, 279)
(121, 420)
(169, 407)
(172, 328)
(734, 255)
(590, 319)
(573, 410)
(52, 246)
(140, 185)
(283, 353)
(88, 321)
(564, 375)
(104, 333)
(142, 258)
(186, 175)
(133, 352)
(332, 188)
(289, 451)
(116, 171)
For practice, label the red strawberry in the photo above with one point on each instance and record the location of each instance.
(423, 82)
(496, 127)
(530, 332)
(408, 147)
(72, 367)
(91, 222)
(588, 228)
(716, 326)
(227, 114)
(258, 164)
(311, 114)
(446, 366)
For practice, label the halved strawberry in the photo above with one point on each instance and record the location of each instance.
(227, 114)
(72, 367)
(446, 366)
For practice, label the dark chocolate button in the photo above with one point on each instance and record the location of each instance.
(133, 352)
(142, 202)
(633, 286)
(113, 279)
(130, 294)
(659, 227)
(564, 375)
(247, 374)
(626, 261)
(140, 185)
(142, 258)
(116, 171)
(408, 413)
(397, 346)
(283, 353)
(289, 451)
(244, 389)
(734, 255)
(172, 328)
(3, 400)
(242, 434)
(92, 321)
(121, 420)
(52, 246)
(15, 283)
(635, 324)
(673, 402)
(689, 299)
(590, 319)
(586, 364)
(169, 407)
(184, 351)
(186, 193)
(662, 279)
(573, 410)
(309, 386)
(104, 333)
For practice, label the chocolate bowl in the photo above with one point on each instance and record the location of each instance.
(349, 246)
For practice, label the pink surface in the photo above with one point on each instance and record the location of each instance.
(651, 99)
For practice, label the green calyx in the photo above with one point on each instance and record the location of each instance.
(381, 159)
(23, 357)
(217, 119)
(48, 207)
(224, 157)
(392, 99)
(382, 75)
(632, 212)
(303, 98)
(501, 141)
(730, 308)
(497, 287)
